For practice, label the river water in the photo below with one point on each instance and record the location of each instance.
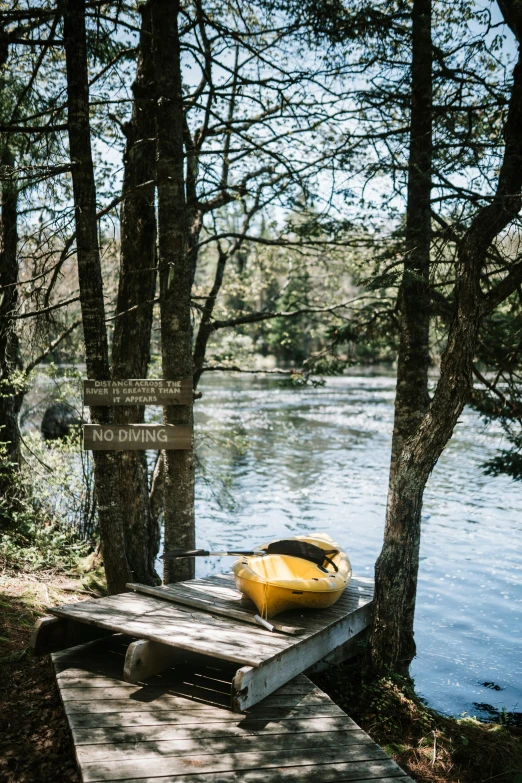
(278, 461)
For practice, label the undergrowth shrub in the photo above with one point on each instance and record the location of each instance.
(49, 519)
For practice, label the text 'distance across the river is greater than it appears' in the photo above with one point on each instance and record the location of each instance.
(146, 391)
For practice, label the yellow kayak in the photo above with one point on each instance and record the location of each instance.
(276, 583)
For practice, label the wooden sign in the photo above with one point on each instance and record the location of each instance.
(136, 437)
(138, 392)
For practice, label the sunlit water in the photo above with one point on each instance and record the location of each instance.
(317, 459)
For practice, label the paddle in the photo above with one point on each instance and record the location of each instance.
(290, 547)
(172, 554)
(217, 607)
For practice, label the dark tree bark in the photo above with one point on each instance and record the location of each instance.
(136, 290)
(176, 276)
(412, 398)
(91, 287)
(398, 562)
(9, 353)
(206, 327)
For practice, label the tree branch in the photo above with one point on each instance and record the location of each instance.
(45, 310)
(50, 348)
(494, 390)
(502, 290)
(234, 368)
(252, 318)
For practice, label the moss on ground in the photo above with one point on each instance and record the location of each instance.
(431, 747)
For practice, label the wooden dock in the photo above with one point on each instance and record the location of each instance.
(191, 617)
(178, 727)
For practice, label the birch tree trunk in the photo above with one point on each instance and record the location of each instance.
(398, 562)
(176, 277)
(136, 290)
(412, 398)
(91, 287)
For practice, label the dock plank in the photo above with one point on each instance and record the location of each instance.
(171, 702)
(158, 626)
(224, 762)
(155, 620)
(212, 728)
(192, 744)
(135, 734)
(376, 772)
(159, 717)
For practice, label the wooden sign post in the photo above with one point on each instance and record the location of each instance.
(133, 437)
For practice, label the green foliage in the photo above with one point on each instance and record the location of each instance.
(507, 462)
(35, 545)
(369, 337)
(49, 516)
(15, 383)
(286, 279)
(500, 400)
(383, 280)
(10, 503)
(59, 479)
(32, 538)
(289, 338)
(95, 580)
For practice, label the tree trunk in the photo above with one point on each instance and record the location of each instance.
(136, 290)
(412, 399)
(9, 354)
(205, 326)
(91, 287)
(398, 562)
(176, 277)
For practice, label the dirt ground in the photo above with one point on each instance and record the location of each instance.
(35, 745)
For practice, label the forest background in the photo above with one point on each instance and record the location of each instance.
(292, 188)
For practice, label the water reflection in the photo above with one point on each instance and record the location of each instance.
(317, 459)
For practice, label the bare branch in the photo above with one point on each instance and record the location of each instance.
(45, 310)
(251, 318)
(50, 348)
(234, 368)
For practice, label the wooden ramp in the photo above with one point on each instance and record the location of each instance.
(189, 617)
(177, 727)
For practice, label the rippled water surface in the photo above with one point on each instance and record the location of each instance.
(280, 461)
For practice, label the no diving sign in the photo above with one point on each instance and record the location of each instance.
(134, 437)
(137, 437)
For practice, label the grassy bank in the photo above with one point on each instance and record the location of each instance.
(431, 747)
